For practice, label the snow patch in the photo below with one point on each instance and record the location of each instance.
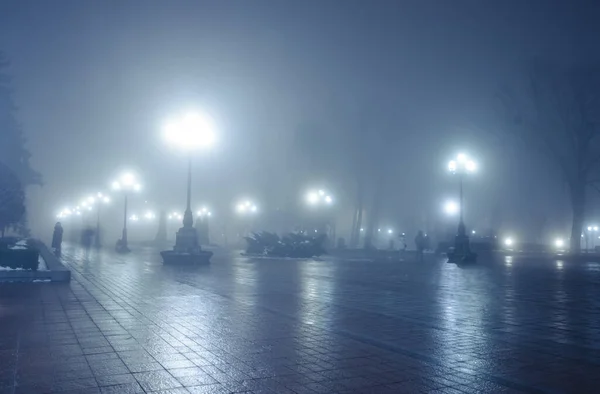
(10, 269)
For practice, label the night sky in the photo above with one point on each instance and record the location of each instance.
(96, 80)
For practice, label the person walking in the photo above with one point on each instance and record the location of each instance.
(57, 236)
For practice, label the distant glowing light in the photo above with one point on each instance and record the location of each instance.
(126, 181)
(559, 243)
(473, 232)
(508, 241)
(204, 212)
(362, 229)
(318, 197)
(390, 231)
(246, 207)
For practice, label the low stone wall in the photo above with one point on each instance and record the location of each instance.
(56, 272)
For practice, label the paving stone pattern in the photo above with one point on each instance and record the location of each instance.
(128, 324)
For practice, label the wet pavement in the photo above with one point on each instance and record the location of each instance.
(128, 324)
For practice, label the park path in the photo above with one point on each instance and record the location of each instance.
(129, 324)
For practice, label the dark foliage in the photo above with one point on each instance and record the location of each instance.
(290, 245)
(13, 151)
(26, 258)
(12, 200)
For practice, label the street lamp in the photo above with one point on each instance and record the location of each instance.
(451, 208)
(204, 212)
(189, 132)
(246, 207)
(126, 183)
(203, 215)
(99, 200)
(321, 198)
(592, 236)
(460, 166)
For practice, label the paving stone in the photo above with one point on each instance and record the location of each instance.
(128, 324)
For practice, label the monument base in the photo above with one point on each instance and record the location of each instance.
(461, 252)
(186, 249)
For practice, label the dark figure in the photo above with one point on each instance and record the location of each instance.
(87, 237)
(57, 236)
(420, 243)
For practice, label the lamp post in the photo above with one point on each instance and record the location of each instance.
(126, 183)
(189, 133)
(202, 228)
(246, 208)
(462, 252)
(321, 198)
(98, 201)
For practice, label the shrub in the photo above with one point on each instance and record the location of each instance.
(26, 258)
(290, 245)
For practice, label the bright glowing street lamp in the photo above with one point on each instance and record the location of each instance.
(451, 208)
(126, 183)
(462, 251)
(190, 132)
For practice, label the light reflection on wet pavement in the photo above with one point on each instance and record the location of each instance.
(128, 324)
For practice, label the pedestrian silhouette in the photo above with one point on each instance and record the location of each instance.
(57, 236)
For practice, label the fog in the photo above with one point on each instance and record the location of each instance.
(290, 85)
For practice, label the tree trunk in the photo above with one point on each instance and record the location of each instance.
(578, 207)
(353, 230)
(374, 212)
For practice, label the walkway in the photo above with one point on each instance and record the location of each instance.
(128, 324)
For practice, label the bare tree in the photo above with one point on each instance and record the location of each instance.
(556, 111)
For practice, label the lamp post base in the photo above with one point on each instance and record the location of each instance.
(186, 240)
(121, 247)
